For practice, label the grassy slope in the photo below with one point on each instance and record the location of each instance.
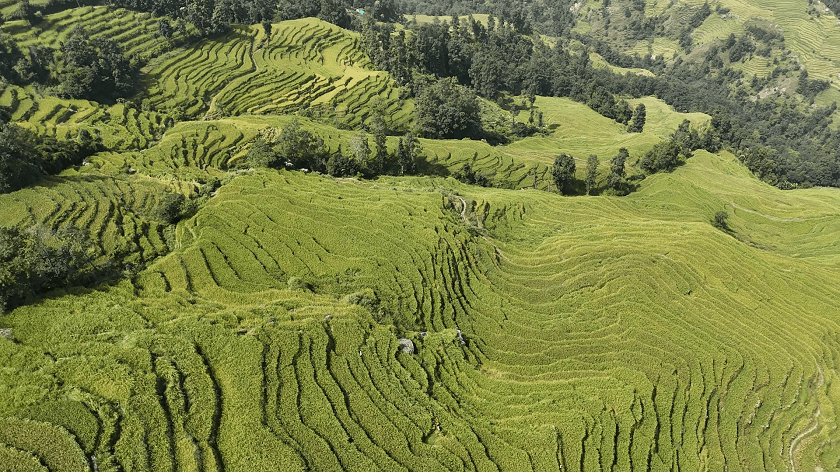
(121, 126)
(588, 320)
(600, 332)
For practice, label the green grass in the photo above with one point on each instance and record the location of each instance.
(134, 32)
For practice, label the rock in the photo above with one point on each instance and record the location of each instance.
(6, 333)
(406, 346)
(423, 334)
(328, 317)
(460, 337)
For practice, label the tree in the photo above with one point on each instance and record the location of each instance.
(663, 156)
(563, 171)
(591, 173)
(340, 165)
(380, 157)
(170, 208)
(334, 11)
(469, 176)
(92, 68)
(639, 117)
(360, 149)
(720, 221)
(623, 112)
(39, 259)
(409, 152)
(617, 172)
(266, 24)
(445, 109)
(301, 148)
(260, 154)
(165, 29)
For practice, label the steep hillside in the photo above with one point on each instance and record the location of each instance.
(810, 30)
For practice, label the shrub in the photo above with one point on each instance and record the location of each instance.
(720, 220)
(171, 208)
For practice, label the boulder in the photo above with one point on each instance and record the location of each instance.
(406, 346)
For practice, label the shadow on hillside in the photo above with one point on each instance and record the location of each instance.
(433, 167)
(56, 180)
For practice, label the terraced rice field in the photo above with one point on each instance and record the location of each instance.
(591, 339)
(813, 40)
(121, 126)
(550, 333)
(134, 32)
(307, 65)
(114, 209)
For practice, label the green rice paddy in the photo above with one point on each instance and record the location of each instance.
(550, 332)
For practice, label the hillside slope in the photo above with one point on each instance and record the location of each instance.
(267, 328)
(597, 331)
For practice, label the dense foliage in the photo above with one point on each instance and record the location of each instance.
(82, 67)
(777, 138)
(447, 110)
(296, 148)
(36, 260)
(95, 69)
(25, 157)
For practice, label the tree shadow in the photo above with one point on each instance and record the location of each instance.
(431, 167)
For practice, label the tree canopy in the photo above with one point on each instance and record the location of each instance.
(447, 110)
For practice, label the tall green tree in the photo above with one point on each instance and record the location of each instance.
(380, 160)
(409, 153)
(639, 118)
(93, 68)
(301, 148)
(360, 149)
(591, 173)
(563, 171)
(617, 172)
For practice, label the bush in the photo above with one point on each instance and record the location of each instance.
(260, 154)
(171, 208)
(720, 220)
(38, 260)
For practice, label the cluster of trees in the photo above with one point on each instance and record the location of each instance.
(37, 260)
(297, 148)
(667, 155)
(550, 17)
(83, 67)
(213, 17)
(783, 142)
(25, 157)
(468, 175)
(780, 138)
(694, 21)
(445, 109)
(563, 174)
(490, 60)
